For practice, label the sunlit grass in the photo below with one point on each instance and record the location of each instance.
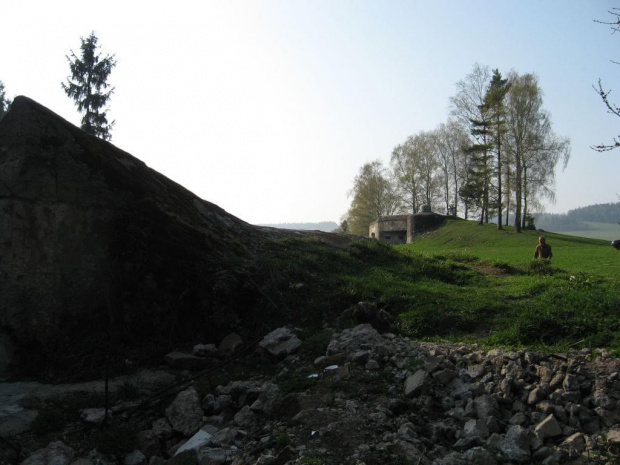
(461, 282)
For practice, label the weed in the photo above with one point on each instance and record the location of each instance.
(128, 390)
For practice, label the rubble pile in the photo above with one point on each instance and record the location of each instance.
(381, 398)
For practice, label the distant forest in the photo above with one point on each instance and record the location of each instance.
(575, 220)
(327, 226)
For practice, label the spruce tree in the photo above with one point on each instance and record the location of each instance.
(4, 102)
(88, 86)
(494, 100)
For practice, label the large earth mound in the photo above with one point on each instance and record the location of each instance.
(98, 251)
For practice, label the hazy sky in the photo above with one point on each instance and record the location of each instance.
(269, 108)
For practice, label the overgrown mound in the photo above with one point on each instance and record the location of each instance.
(101, 254)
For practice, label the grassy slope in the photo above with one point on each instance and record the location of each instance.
(572, 253)
(462, 282)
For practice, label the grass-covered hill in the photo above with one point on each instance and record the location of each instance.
(461, 282)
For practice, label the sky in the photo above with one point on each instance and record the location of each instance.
(268, 108)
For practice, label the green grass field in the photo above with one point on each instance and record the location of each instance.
(463, 282)
(572, 253)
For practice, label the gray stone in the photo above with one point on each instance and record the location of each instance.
(148, 443)
(574, 445)
(185, 414)
(608, 417)
(230, 344)
(518, 419)
(485, 406)
(135, 458)
(571, 383)
(475, 371)
(372, 365)
(475, 427)
(548, 428)
(204, 350)
(516, 445)
(444, 376)
(162, 428)
(535, 396)
(184, 361)
(354, 339)
(281, 342)
(226, 437)
(417, 383)
(212, 456)
(56, 453)
(94, 415)
(245, 417)
(479, 456)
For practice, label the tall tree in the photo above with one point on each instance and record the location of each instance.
(415, 165)
(494, 100)
(470, 108)
(534, 148)
(373, 195)
(88, 86)
(450, 139)
(4, 102)
(407, 175)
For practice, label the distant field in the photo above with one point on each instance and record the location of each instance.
(605, 231)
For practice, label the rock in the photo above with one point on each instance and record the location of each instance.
(185, 414)
(230, 344)
(56, 453)
(417, 383)
(198, 440)
(613, 435)
(162, 429)
(148, 443)
(475, 427)
(368, 313)
(479, 456)
(280, 342)
(444, 376)
(535, 396)
(269, 397)
(212, 456)
(548, 428)
(571, 383)
(475, 371)
(574, 445)
(353, 339)
(608, 417)
(186, 361)
(226, 437)
(135, 458)
(204, 350)
(245, 417)
(189, 457)
(372, 365)
(485, 406)
(516, 445)
(94, 415)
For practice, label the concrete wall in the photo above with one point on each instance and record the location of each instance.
(402, 229)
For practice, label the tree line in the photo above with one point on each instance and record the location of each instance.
(87, 85)
(576, 219)
(494, 158)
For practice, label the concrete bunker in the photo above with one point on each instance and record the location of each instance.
(402, 229)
